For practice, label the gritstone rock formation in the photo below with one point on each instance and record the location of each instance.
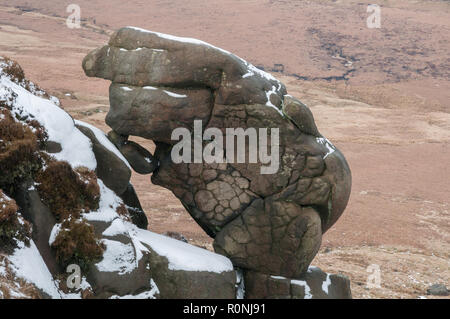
(66, 202)
(265, 223)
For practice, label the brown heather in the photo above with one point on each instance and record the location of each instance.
(10, 226)
(68, 192)
(19, 158)
(17, 75)
(77, 244)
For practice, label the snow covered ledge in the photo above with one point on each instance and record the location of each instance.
(138, 264)
(168, 267)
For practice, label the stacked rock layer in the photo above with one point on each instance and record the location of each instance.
(266, 223)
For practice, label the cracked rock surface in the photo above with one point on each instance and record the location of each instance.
(266, 223)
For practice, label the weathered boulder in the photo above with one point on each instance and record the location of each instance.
(43, 221)
(185, 284)
(111, 168)
(272, 237)
(137, 260)
(67, 233)
(52, 147)
(159, 110)
(120, 272)
(133, 205)
(313, 284)
(438, 290)
(267, 214)
(115, 171)
(139, 158)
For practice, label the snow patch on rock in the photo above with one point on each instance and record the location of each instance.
(179, 39)
(117, 227)
(240, 284)
(326, 284)
(150, 294)
(304, 284)
(54, 233)
(182, 256)
(324, 141)
(178, 96)
(76, 147)
(27, 263)
(118, 257)
(103, 139)
(109, 202)
(269, 103)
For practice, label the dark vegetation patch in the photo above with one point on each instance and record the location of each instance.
(19, 146)
(63, 279)
(15, 72)
(77, 243)
(124, 212)
(13, 227)
(68, 192)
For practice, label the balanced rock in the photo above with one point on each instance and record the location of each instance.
(66, 232)
(267, 214)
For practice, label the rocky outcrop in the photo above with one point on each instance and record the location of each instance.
(136, 261)
(313, 284)
(133, 205)
(188, 283)
(266, 211)
(42, 220)
(68, 211)
(139, 158)
(272, 238)
(115, 171)
(112, 168)
(266, 218)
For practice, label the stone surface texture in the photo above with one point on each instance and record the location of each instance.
(265, 223)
